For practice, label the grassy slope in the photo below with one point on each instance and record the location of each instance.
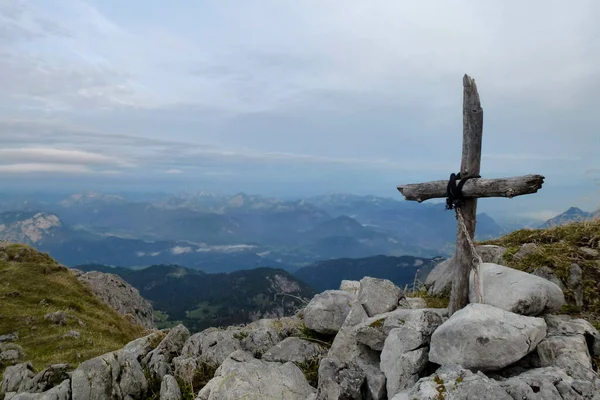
(559, 247)
(28, 276)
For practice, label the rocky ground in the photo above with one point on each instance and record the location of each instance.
(364, 341)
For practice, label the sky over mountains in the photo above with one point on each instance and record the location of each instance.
(297, 98)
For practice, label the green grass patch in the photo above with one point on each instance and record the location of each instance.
(310, 369)
(316, 337)
(32, 285)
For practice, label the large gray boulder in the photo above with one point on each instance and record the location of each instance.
(295, 350)
(327, 311)
(110, 376)
(484, 337)
(158, 361)
(119, 295)
(378, 295)
(169, 388)
(517, 291)
(451, 382)
(16, 377)
(241, 376)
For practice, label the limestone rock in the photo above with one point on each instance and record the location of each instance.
(60, 392)
(16, 376)
(10, 353)
(339, 381)
(140, 347)
(58, 318)
(400, 363)
(548, 274)
(169, 389)
(284, 327)
(485, 337)
(547, 383)
(46, 379)
(347, 354)
(258, 341)
(10, 337)
(241, 376)
(350, 286)
(119, 295)
(526, 250)
(112, 375)
(566, 325)
(439, 280)
(327, 311)
(575, 283)
(452, 382)
(517, 291)
(378, 295)
(158, 361)
(569, 353)
(72, 334)
(212, 345)
(419, 325)
(295, 350)
(491, 254)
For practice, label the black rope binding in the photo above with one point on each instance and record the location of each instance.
(455, 197)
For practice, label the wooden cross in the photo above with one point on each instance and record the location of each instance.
(472, 190)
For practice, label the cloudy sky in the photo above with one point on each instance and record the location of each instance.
(297, 98)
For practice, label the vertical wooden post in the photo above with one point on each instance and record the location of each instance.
(470, 166)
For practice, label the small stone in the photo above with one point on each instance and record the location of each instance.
(11, 337)
(72, 334)
(526, 250)
(589, 252)
(58, 318)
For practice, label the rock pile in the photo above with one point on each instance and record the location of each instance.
(364, 341)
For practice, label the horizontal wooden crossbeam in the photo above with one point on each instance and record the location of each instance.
(475, 187)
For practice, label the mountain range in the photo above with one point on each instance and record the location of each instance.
(199, 300)
(220, 233)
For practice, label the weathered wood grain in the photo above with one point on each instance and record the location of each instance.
(475, 187)
(470, 166)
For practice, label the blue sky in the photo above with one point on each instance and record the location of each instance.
(298, 98)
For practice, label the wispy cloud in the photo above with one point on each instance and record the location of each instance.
(29, 168)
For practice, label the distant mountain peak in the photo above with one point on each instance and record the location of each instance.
(89, 197)
(573, 214)
(28, 227)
